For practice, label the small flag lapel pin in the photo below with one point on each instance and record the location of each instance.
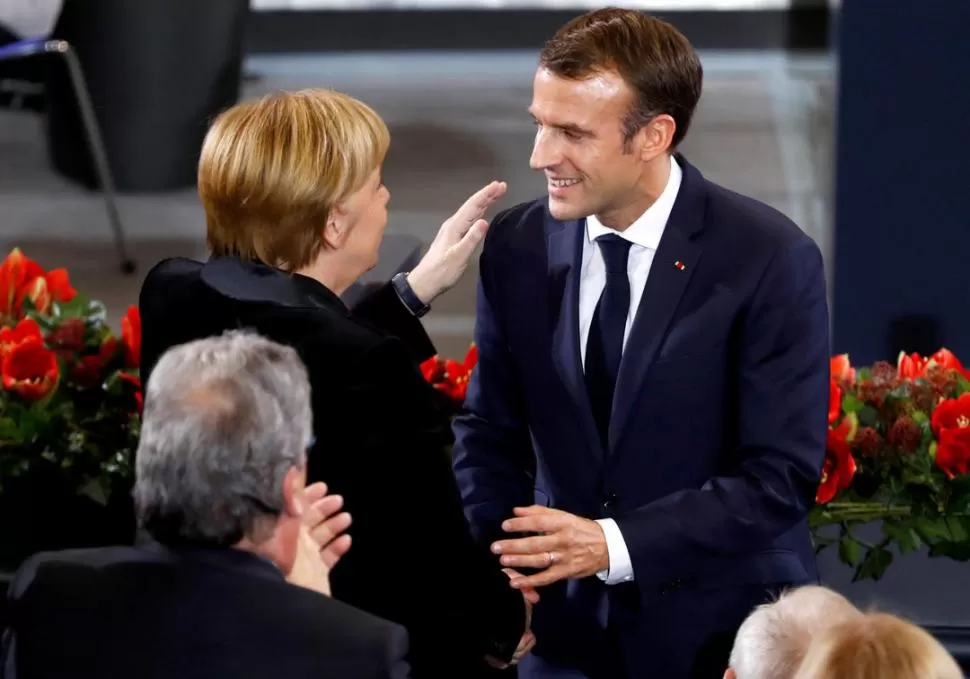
(679, 265)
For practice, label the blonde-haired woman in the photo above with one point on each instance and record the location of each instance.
(877, 646)
(295, 211)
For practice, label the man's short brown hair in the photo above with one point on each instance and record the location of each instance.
(272, 169)
(652, 57)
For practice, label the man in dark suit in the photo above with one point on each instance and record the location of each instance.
(233, 582)
(650, 398)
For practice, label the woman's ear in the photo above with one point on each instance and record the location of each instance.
(335, 231)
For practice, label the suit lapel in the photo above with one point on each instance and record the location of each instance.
(673, 265)
(564, 248)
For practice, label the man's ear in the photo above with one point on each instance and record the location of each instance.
(729, 674)
(294, 483)
(658, 137)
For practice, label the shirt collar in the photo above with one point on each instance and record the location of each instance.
(649, 227)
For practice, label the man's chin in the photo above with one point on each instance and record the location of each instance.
(564, 211)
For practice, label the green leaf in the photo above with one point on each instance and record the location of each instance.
(903, 535)
(957, 530)
(931, 529)
(851, 404)
(868, 416)
(963, 385)
(919, 417)
(850, 551)
(9, 430)
(959, 551)
(95, 490)
(874, 565)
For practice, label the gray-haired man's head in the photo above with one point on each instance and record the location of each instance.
(225, 421)
(773, 640)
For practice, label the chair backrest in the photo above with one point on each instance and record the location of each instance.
(23, 48)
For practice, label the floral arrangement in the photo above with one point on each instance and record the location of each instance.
(450, 377)
(71, 395)
(897, 455)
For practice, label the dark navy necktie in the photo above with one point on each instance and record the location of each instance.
(604, 347)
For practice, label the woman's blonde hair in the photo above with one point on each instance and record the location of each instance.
(877, 646)
(272, 170)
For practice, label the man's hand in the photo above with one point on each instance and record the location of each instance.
(325, 523)
(449, 253)
(569, 547)
(309, 570)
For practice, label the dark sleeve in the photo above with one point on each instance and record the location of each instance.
(15, 592)
(433, 577)
(493, 460)
(395, 652)
(384, 310)
(783, 381)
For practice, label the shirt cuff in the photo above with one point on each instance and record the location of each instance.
(621, 568)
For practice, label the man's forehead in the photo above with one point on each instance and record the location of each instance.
(602, 93)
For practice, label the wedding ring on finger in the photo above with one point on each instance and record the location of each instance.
(551, 557)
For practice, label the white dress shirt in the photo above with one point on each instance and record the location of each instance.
(644, 234)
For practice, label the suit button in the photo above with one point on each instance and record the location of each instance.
(609, 501)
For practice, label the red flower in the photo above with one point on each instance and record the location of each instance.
(22, 278)
(89, 370)
(910, 366)
(839, 466)
(471, 358)
(16, 272)
(951, 424)
(134, 381)
(947, 360)
(835, 401)
(30, 370)
(450, 376)
(953, 451)
(26, 330)
(131, 337)
(913, 366)
(953, 413)
(841, 369)
(433, 369)
(68, 337)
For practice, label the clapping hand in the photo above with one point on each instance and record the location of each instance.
(325, 522)
(453, 247)
(321, 541)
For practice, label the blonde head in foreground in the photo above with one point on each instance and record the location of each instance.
(877, 646)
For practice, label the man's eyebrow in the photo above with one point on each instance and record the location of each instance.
(567, 127)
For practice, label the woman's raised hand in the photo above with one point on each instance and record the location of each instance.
(453, 247)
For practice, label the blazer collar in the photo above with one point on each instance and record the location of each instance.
(226, 558)
(252, 281)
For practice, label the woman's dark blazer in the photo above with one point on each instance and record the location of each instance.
(380, 443)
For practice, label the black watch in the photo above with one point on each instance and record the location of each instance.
(404, 291)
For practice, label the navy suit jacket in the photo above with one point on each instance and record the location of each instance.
(716, 439)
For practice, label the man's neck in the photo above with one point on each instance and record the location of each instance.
(648, 190)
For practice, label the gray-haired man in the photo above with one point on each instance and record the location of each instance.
(774, 638)
(234, 581)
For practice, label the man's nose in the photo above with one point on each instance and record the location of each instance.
(544, 151)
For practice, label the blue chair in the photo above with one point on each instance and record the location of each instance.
(25, 49)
